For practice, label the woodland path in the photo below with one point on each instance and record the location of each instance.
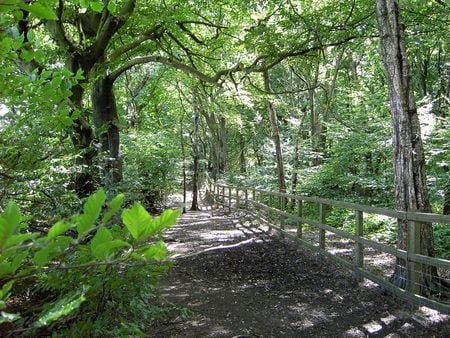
(237, 280)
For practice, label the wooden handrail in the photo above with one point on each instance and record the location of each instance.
(251, 199)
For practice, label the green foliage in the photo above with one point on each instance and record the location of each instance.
(378, 227)
(151, 167)
(85, 266)
(441, 234)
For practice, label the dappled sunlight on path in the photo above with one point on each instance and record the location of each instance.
(203, 231)
(237, 279)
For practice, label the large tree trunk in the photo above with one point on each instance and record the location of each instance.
(275, 134)
(106, 123)
(87, 179)
(409, 162)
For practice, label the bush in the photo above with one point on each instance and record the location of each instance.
(85, 274)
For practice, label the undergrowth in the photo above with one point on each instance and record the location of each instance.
(87, 275)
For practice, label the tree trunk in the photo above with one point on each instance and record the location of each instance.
(242, 160)
(275, 134)
(218, 142)
(106, 122)
(87, 179)
(316, 128)
(196, 155)
(409, 161)
(183, 156)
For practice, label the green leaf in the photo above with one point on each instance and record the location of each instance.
(84, 224)
(103, 244)
(102, 235)
(57, 229)
(52, 250)
(39, 10)
(105, 250)
(17, 261)
(9, 222)
(167, 219)
(112, 7)
(137, 220)
(140, 224)
(94, 204)
(61, 308)
(43, 256)
(5, 269)
(156, 251)
(97, 6)
(6, 288)
(10, 268)
(92, 209)
(114, 206)
(84, 3)
(19, 239)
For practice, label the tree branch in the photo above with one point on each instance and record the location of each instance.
(166, 61)
(260, 63)
(56, 29)
(153, 33)
(110, 26)
(191, 35)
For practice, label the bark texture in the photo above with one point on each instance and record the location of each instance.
(106, 122)
(275, 135)
(409, 161)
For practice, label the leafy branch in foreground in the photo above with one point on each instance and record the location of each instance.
(81, 268)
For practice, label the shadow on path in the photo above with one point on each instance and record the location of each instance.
(237, 280)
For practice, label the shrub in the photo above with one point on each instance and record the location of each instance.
(86, 273)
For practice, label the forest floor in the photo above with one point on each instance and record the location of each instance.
(237, 280)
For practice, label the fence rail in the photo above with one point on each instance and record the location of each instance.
(291, 221)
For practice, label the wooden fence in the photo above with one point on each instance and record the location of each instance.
(285, 213)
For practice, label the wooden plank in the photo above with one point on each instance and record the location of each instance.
(413, 268)
(403, 294)
(299, 214)
(412, 256)
(322, 212)
(416, 216)
(283, 208)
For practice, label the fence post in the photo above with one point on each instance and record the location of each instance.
(299, 214)
(322, 210)
(359, 232)
(413, 247)
(282, 218)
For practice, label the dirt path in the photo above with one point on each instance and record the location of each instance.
(239, 281)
